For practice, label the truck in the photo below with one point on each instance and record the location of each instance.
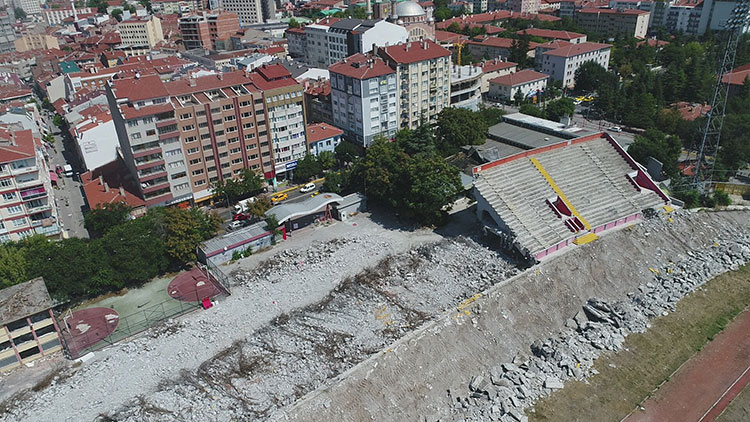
(243, 204)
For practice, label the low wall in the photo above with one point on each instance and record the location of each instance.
(410, 380)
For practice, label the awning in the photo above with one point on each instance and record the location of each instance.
(53, 176)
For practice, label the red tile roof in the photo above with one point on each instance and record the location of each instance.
(360, 66)
(445, 36)
(653, 43)
(737, 76)
(550, 34)
(144, 88)
(281, 77)
(16, 144)
(130, 112)
(690, 111)
(206, 83)
(613, 11)
(320, 131)
(554, 44)
(499, 42)
(11, 92)
(412, 52)
(493, 65)
(520, 77)
(98, 195)
(576, 49)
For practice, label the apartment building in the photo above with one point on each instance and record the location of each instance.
(172, 7)
(7, 33)
(27, 205)
(202, 31)
(551, 35)
(524, 6)
(364, 98)
(95, 137)
(28, 330)
(251, 11)
(31, 7)
(561, 63)
(494, 47)
(423, 78)
(614, 22)
(350, 36)
(140, 34)
(285, 110)
(322, 137)
(466, 85)
(56, 16)
(524, 83)
(36, 42)
(492, 69)
(296, 42)
(74, 82)
(316, 42)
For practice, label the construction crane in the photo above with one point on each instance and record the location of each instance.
(460, 47)
(709, 146)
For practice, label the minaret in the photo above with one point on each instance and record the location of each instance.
(369, 10)
(75, 13)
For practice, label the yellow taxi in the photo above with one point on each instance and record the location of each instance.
(278, 197)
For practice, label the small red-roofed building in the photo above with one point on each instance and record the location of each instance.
(653, 42)
(690, 111)
(528, 82)
(736, 78)
(111, 184)
(614, 22)
(323, 137)
(561, 63)
(494, 47)
(551, 35)
(492, 69)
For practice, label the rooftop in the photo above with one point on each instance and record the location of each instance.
(292, 210)
(234, 239)
(613, 11)
(138, 89)
(360, 66)
(493, 65)
(24, 299)
(577, 49)
(737, 76)
(521, 77)
(106, 185)
(206, 83)
(321, 131)
(16, 144)
(412, 52)
(550, 34)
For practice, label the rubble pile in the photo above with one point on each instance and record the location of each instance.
(300, 351)
(507, 389)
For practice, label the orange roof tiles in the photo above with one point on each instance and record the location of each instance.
(114, 189)
(321, 131)
(577, 49)
(360, 66)
(144, 88)
(411, 52)
(520, 77)
(16, 144)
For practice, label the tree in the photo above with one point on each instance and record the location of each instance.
(58, 120)
(326, 160)
(346, 153)
(332, 183)
(12, 266)
(20, 13)
(184, 230)
(259, 207)
(654, 143)
(358, 12)
(457, 127)
(518, 97)
(532, 110)
(433, 184)
(418, 141)
(560, 108)
(102, 219)
(228, 190)
(136, 250)
(307, 168)
(293, 23)
(519, 50)
(589, 76)
(491, 115)
(117, 14)
(668, 120)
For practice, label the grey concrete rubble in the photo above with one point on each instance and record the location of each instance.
(599, 326)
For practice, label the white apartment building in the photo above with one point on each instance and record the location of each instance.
(350, 36)
(169, 7)
(27, 203)
(524, 6)
(561, 63)
(141, 31)
(492, 69)
(527, 82)
(31, 7)
(614, 22)
(96, 137)
(250, 11)
(364, 98)
(423, 71)
(466, 86)
(56, 16)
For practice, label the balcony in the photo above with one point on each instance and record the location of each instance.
(164, 123)
(30, 194)
(147, 151)
(22, 170)
(50, 230)
(150, 188)
(37, 208)
(152, 176)
(149, 164)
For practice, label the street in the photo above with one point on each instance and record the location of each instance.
(69, 193)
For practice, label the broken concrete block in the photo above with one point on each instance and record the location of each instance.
(509, 367)
(553, 383)
(478, 383)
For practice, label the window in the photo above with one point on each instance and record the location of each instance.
(188, 127)
(193, 150)
(181, 186)
(207, 147)
(19, 222)
(197, 172)
(190, 139)
(212, 168)
(176, 164)
(223, 154)
(6, 182)
(205, 136)
(200, 182)
(173, 152)
(233, 140)
(148, 120)
(135, 135)
(179, 175)
(228, 118)
(132, 123)
(9, 196)
(203, 124)
(225, 165)
(196, 161)
(237, 161)
(15, 209)
(185, 116)
(219, 132)
(234, 150)
(227, 107)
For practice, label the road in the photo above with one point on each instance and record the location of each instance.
(69, 193)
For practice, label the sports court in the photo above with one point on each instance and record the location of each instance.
(193, 286)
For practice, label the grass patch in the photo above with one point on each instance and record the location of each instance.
(739, 409)
(628, 377)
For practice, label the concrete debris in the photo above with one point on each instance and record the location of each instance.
(603, 325)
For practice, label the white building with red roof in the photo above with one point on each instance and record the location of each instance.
(551, 34)
(423, 72)
(323, 137)
(561, 63)
(614, 22)
(527, 82)
(364, 98)
(95, 137)
(492, 69)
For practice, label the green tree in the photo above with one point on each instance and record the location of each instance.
(136, 250)
(58, 120)
(668, 120)
(654, 143)
(184, 231)
(333, 183)
(101, 219)
(432, 186)
(326, 160)
(418, 141)
(491, 115)
(560, 108)
(590, 76)
(12, 266)
(259, 207)
(519, 50)
(457, 127)
(117, 14)
(346, 153)
(228, 190)
(293, 23)
(532, 110)
(358, 12)
(722, 198)
(307, 168)
(20, 14)
(519, 98)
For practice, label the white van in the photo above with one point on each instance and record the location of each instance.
(307, 188)
(68, 170)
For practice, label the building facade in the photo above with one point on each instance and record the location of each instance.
(56, 16)
(524, 6)
(141, 32)
(492, 69)
(423, 78)
(7, 33)
(31, 7)
(466, 86)
(27, 206)
(612, 22)
(95, 137)
(251, 11)
(364, 99)
(526, 82)
(323, 137)
(202, 31)
(561, 63)
(350, 36)
(36, 42)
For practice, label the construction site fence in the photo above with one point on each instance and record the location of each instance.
(733, 188)
(219, 276)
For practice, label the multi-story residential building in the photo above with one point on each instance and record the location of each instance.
(364, 99)
(36, 42)
(31, 7)
(223, 129)
(296, 40)
(350, 36)
(76, 81)
(466, 86)
(172, 7)
(140, 34)
(56, 16)
(318, 100)
(285, 110)
(323, 137)
(7, 33)
(27, 203)
(95, 137)
(202, 31)
(551, 34)
(251, 11)
(494, 47)
(524, 6)
(523, 83)
(480, 6)
(611, 22)
(492, 69)
(561, 63)
(423, 77)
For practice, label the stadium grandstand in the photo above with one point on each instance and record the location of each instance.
(543, 200)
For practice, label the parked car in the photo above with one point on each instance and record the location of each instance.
(240, 217)
(307, 188)
(617, 129)
(68, 170)
(234, 225)
(278, 197)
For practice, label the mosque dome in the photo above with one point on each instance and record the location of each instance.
(408, 8)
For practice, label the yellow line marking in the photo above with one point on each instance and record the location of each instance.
(586, 238)
(559, 192)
